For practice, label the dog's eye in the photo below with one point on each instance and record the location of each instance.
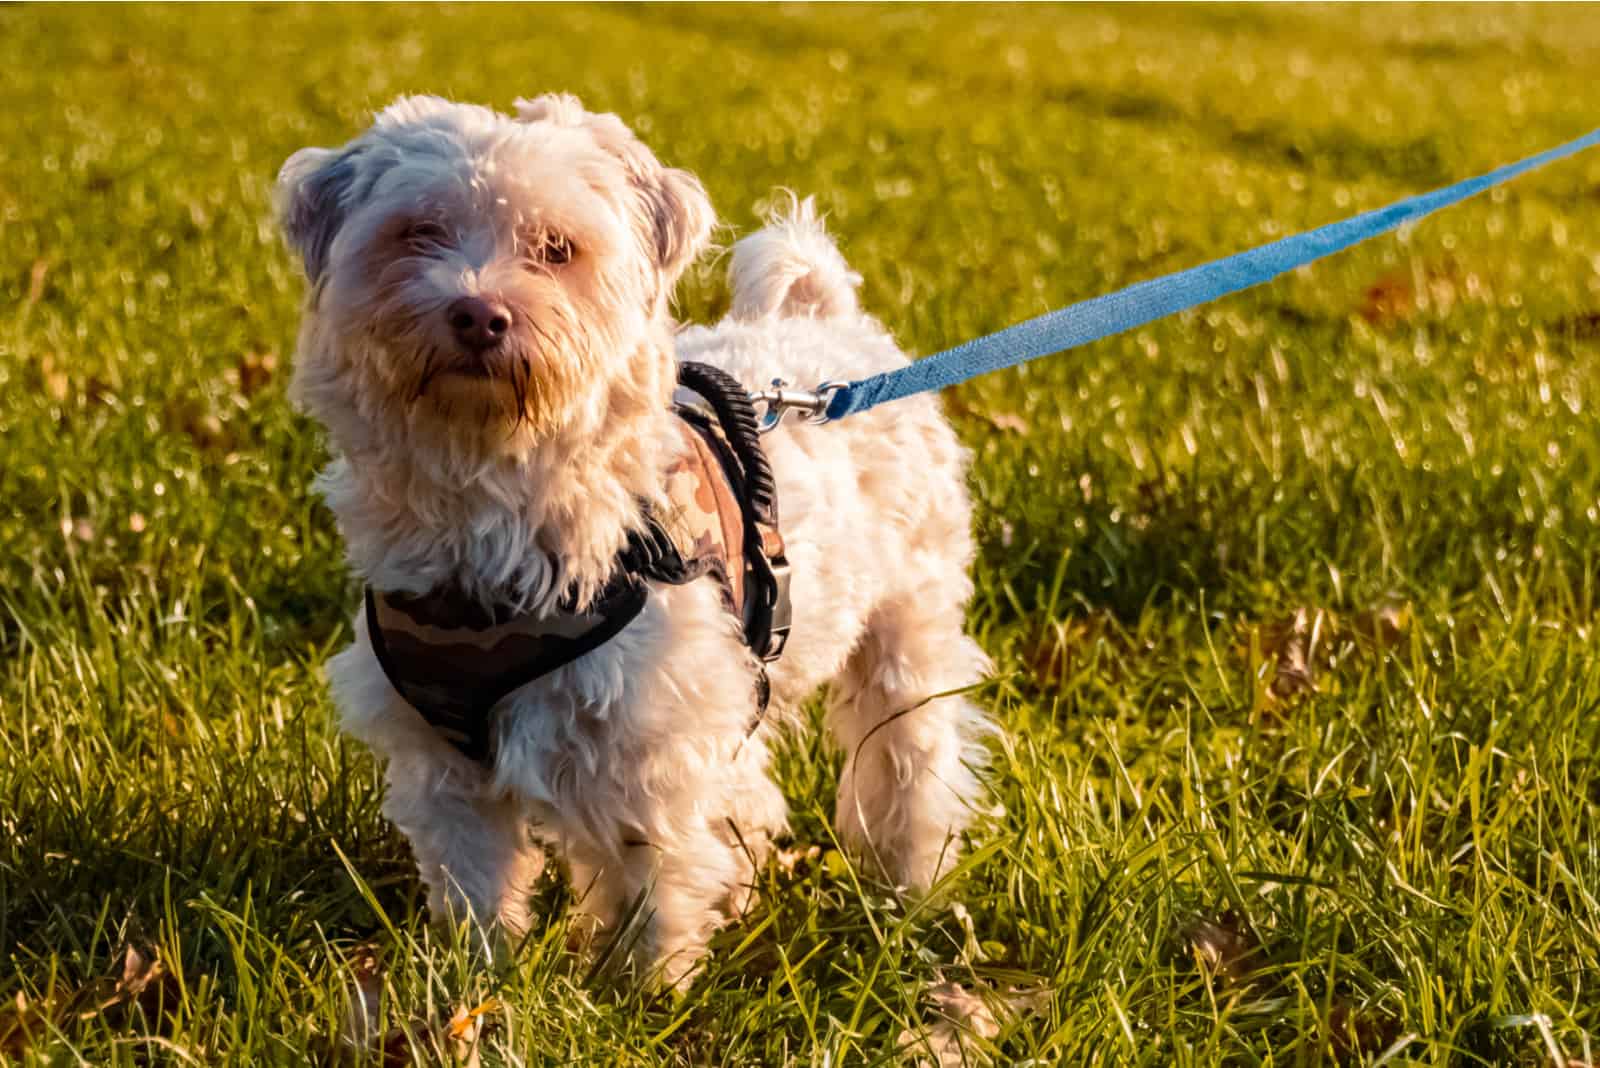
(552, 250)
(425, 236)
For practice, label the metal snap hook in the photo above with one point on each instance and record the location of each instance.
(780, 399)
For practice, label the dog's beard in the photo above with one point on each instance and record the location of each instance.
(505, 395)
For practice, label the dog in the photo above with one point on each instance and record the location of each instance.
(487, 340)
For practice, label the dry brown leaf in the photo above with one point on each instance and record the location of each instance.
(789, 861)
(57, 386)
(1224, 947)
(1583, 327)
(255, 372)
(965, 1017)
(363, 996)
(1397, 296)
(144, 982)
(1384, 625)
(1007, 421)
(1298, 649)
(1048, 652)
(1354, 1032)
(23, 1022)
(1289, 647)
(205, 429)
(36, 275)
(417, 1039)
(1057, 649)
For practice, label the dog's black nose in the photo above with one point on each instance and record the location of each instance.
(478, 324)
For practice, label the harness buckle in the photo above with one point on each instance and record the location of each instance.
(780, 399)
(782, 610)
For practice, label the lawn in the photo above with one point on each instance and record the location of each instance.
(1292, 600)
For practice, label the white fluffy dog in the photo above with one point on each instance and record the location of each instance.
(505, 452)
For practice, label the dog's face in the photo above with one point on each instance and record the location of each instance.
(476, 274)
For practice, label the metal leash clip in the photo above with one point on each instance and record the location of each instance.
(780, 399)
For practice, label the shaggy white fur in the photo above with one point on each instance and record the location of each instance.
(515, 472)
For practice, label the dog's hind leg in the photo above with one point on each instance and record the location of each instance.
(909, 783)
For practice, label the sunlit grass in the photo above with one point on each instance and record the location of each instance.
(1292, 599)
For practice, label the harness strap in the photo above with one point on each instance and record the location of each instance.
(454, 659)
(765, 610)
(460, 684)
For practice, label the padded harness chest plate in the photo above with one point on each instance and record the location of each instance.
(453, 658)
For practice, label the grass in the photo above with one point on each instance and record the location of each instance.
(1292, 598)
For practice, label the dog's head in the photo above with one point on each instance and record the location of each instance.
(477, 275)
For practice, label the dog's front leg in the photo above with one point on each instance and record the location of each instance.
(474, 851)
(684, 884)
(662, 896)
(680, 866)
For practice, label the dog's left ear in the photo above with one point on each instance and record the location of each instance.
(676, 214)
(311, 196)
(681, 216)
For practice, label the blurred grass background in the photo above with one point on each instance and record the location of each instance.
(1292, 598)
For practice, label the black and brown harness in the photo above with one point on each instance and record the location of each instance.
(453, 658)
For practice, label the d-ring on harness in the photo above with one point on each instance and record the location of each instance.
(453, 658)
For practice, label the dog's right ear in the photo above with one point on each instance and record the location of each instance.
(313, 198)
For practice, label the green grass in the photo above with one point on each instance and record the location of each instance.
(1397, 446)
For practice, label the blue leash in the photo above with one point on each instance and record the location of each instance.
(1144, 302)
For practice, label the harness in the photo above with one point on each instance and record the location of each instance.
(453, 658)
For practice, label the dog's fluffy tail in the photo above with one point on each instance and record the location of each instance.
(791, 269)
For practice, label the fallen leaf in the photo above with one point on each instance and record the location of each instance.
(205, 429)
(966, 1019)
(143, 982)
(255, 371)
(23, 1023)
(1582, 327)
(466, 1027)
(1389, 298)
(1357, 1032)
(1384, 625)
(363, 996)
(36, 275)
(1290, 647)
(1224, 947)
(1056, 649)
(790, 860)
(416, 1039)
(57, 386)
(1397, 296)
(1007, 421)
